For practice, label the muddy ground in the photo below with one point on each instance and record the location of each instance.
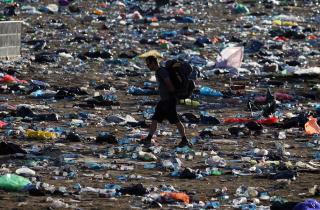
(217, 22)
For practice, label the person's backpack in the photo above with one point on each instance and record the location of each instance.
(180, 72)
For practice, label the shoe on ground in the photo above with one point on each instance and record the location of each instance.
(184, 143)
(146, 142)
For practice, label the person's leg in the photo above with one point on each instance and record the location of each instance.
(157, 117)
(152, 130)
(173, 118)
(184, 141)
(181, 129)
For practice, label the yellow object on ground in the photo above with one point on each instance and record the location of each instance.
(284, 23)
(40, 135)
(190, 102)
(153, 53)
(98, 12)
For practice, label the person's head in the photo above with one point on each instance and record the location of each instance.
(152, 63)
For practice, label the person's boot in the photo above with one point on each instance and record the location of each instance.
(269, 97)
(269, 109)
(184, 142)
(147, 141)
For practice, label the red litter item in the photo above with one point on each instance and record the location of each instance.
(283, 96)
(281, 39)
(278, 96)
(2, 124)
(268, 121)
(11, 79)
(179, 12)
(178, 196)
(260, 99)
(237, 120)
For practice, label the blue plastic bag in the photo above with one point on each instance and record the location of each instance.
(310, 204)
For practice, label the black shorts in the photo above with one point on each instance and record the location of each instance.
(166, 109)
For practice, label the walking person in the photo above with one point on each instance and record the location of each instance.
(166, 107)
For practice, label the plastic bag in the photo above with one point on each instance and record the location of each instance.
(2, 124)
(10, 79)
(178, 196)
(12, 182)
(268, 121)
(308, 205)
(240, 9)
(265, 121)
(230, 57)
(312, 127)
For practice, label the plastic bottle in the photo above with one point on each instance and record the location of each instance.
(216, 172)
(112, 187)
(43, 94)
(126, 168)
(264, 196)
(77, 186)
(251, 206)
(71, 155)
(189, 102)
(238, 201)
(149, 166)
(216, 161)
(125, 140)
(276, 199)
(139, 91)
(310, 145)
(240, 9)
(183, 150)
(223, 197)
(148, 113)
(317, 156)
(93, 166)
(168, 34)
(149, 84)
(76, 123)
(252, 192)
(39, 83)
(212, 205)
(146, 156)
(240, 191)
(282, 135)
(25, 171)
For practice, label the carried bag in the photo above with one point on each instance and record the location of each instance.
(179, 72)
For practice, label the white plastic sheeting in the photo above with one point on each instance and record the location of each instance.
(230, 57)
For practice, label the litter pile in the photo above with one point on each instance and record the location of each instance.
(77, 102)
